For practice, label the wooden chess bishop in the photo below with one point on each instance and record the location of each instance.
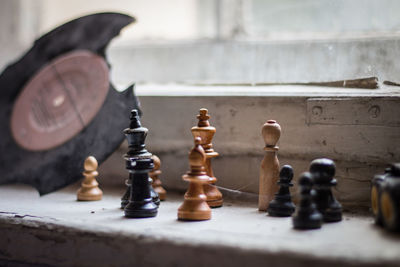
(206, 133)
(269, 171)
(154, 175)
(194, 207)
(89, 190)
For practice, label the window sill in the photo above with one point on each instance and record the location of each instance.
(173, 89)
(58, 230)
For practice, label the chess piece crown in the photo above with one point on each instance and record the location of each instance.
(89, 190)
(271, 132)
(205, 132)
(136, 137)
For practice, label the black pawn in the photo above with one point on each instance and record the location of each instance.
(136, 136)
(282, 205)
(323, 171)
(140, 204)
(306, 216)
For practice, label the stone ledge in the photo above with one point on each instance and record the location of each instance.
(57, 230)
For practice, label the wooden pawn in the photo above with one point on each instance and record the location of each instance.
(90, 190)
(154, 175)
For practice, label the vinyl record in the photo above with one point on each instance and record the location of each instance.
(57, 105)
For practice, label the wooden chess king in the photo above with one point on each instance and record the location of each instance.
(206, 133)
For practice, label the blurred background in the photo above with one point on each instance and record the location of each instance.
(226, 41)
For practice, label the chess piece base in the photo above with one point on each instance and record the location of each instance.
(162, 193)
(194, 216)
(93, 194)
(332, 215)
(307, 221)
(194, 210)
(214, 196)
(276, 209)
(141, 209)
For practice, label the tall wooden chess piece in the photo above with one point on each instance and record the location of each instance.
(206, 133)
(269, 171)
(136, 136)
(89, 190)
(323, 171)
(154, 174)
(195, 207)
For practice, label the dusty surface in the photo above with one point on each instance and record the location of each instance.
(57, 224)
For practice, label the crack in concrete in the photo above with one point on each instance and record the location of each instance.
(16, 215)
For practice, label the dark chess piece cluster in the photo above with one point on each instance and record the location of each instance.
(195, 207)
(307, 215)
(141, 200)
(323, 172)
(282, 205)
(317, 202)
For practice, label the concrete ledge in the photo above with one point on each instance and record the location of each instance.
(57, 230)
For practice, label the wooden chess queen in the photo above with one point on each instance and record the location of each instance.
(206, 133)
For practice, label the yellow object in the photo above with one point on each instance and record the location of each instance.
(387, 208)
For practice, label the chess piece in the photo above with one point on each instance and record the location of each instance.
(282, 205)
(385, 196)
(90, 190)
(195, 207)
(376, 192)
(154, 174)
(136, 136)
(269, 171)
(125, 197)
(140, 204)
(206, 133)
(306, 216)
(323, 171)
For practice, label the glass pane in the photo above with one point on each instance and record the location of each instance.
(292, 19)
(161, 20)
